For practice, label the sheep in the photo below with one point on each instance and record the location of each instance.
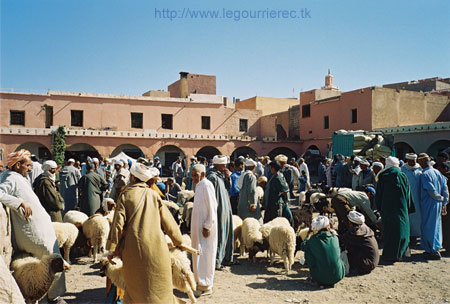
(113, 272)
(302, 197)
(35, 276)
(282, 242)
(174, 209)
(251, 237)
(300, 236)
(96, 229)
(75, 217)
(237, 229)
(66, 235)
(185, 196)
(302, 216)
(186, 216)
(278, 221)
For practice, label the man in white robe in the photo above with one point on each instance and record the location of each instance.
(33, 230)
(37, 169)
(204, 231)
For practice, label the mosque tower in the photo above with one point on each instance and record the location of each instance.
(329, 83)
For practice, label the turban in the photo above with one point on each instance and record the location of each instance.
(262, 179)
(357, 159)
(118, 162)
(193, 157)
(411, 156)
(95, 160)
(17, 156)
(141, 172)
(378, 164)
(49, 164)
(250, 163)
(155, 171)
(364, 162)
(105, 203)
(423, 155)
(319, 223)
(370, 190)
(70, 160)
(356, 217)
(392, 161)
(281, 158)
(220, 160)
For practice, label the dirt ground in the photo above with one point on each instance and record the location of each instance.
(414, 281)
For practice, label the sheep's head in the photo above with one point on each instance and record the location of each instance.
(58, 264)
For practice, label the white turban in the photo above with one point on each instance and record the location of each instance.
(356, 217)
(70, 160)
(357, 159)
(392, 161)
(220, 160)
(155, 171)
(364, 162)
(411, 156)
(378, 164)
(250, 163)
(281, 158)
(118, 162)
(95, 160)
(319, 223)
(49, 164)
(141, 172)
(105, 203)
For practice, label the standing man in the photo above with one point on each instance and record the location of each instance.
(157, 164)
(177, 171)
(69, 176)
(33, 234)
(189, 175)
(91, 187)
(37, 168)
(394, 201)
(287, 172)
(259, 170)
(267, 170)
(302, 166)
(204, 231)
(433, 202)
(224, 214)
(45, 189)
(322, 171)
(248, 200)
(412, 170)
(121, 178)
(366, 178)
(100, 170)
(234, 189)
(444, 168)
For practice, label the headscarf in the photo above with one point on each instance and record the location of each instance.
(392, 161)
(17, 156)
(47, 166)
(356, 217)
(319, 223)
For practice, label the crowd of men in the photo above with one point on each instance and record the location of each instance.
(407, 200)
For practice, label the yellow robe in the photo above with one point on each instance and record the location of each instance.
(144, 251)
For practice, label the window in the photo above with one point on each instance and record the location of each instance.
(166, 121)
(306, 111)
(17, 118)
(354, 115)
(243, 125)
(206, 122)
(326, 122)
(48, 116)
(136, 120)
(76, 118)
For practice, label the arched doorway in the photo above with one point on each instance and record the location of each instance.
(81, 151)
(401, 148)
(167, 155)
(132, 151)
(243, 151)
(37, 149)
(208, 152)
(282, 150)
(313, 148)
(437, 147)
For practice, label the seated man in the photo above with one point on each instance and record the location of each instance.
(172, 189)
(322, 254)
(360, 243)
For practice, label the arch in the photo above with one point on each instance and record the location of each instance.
(167, 155)
(438, 146)
(282, 150)
(37, 149)
(401, 148)
(313, 147)
(132, 151)
(243, 151)
(80, 151)
(208, 152)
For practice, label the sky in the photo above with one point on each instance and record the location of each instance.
(130, 47)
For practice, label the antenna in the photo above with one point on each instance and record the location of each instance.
(329, 71)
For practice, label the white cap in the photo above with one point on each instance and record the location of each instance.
(364, 162)
(141, 172)
(220, 160)
(70, 160)
(95, 160)
(250, 163)
(377, 164)
(357, 159)
(118, 162)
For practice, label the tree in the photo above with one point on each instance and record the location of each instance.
(59, 144)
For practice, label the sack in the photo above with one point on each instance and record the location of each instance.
(384, 149)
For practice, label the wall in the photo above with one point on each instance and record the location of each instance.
(267, 105)
(197, 83)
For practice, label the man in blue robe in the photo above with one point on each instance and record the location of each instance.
(412, 170)
(434, 198)
(224, 214)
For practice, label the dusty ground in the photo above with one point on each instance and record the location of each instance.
(414, 281)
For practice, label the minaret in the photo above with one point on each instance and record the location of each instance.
(329, 82)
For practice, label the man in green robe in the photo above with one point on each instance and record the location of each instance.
(276, 196)
(248, 199)
(224, 213)
(91, 187)
(394, 200)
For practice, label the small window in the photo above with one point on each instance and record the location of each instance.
(166, 121)
(136, 120)
(206, 122)
(17, 118)
(243, 125)
(306, 111)
(326, 122)
(354, 115)
(76, 118)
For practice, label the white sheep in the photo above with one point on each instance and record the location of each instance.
(315, 197)
(75, 217)
(302, 197)
(184, 196)
(96, 229)
(237, 231)
(251, 236)
(113, 272)
(282, 242)
(35, 276)
(110, 217)
(278, 221)
(66, 235)
(187, 213)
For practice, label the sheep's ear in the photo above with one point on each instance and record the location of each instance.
(57, 265)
